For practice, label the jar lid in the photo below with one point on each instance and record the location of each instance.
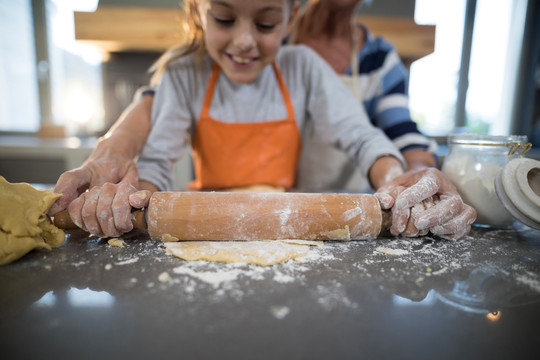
(495, 140)
(517, 185)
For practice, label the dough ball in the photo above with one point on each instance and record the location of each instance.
(24, 224)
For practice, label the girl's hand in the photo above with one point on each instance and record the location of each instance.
(426, 200)
(106, 210)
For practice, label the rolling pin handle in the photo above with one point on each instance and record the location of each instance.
(386, 223)
(63, 221)
(138, 219)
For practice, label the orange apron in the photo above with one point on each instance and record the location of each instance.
(229, 155)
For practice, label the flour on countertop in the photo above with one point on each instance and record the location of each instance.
(279, 312)
(164, 277)
(329, 273)
(128, 261)
(389, 251)
(530, 280)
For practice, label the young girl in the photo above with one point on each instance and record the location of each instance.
(242, 100)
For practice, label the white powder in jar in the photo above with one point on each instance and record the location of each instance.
(475, 182)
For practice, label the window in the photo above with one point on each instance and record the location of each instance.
(76, 81)
(68, 72)
(496, 42)
(497, 37)
(19, 99)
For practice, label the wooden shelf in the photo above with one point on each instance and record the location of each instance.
(130, 28)
(155, 29)
(412, 41)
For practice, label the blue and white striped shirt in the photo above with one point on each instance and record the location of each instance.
(382, 85)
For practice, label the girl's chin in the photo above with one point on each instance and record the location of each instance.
(241, 77)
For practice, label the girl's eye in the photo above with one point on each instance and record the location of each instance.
(266, 27)
(223, 21)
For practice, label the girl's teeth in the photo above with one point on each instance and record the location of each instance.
(241, 60)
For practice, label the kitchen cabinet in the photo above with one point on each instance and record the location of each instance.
(41, 160)
(118, 28)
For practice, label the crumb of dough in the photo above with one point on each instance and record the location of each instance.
(164, 277)
(24, 224)
(116, 242)
(338, 234)
(389, 251)
(168, 238)
(142, 196)
(248, 252)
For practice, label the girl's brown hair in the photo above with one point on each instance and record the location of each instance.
(194, 40)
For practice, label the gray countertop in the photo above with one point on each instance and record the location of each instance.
(478, 297)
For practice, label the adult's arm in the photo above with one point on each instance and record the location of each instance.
(111, 162)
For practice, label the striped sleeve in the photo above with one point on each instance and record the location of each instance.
(387, 103)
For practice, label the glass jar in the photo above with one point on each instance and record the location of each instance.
(472, 164)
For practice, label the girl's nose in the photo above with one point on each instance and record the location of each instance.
(244, 39)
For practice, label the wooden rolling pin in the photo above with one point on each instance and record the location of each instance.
(258, 216)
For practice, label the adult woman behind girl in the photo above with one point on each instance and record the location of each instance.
(373, 71)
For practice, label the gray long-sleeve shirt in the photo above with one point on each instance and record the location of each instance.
(317, 95)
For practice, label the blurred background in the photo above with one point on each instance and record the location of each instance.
(69, 67)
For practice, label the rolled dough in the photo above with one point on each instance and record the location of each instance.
(24, 224)
(250, 252)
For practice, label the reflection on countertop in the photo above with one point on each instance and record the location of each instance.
(387, 298)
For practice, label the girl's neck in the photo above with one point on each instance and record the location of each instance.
(334, 36)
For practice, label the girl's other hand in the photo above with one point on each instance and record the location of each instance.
(426, 200)
(106, 210)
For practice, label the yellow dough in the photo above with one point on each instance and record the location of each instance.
(24, 225)
(250, 252)
(168, 238)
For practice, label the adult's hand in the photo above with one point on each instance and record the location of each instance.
(426, 200)
(100, 168)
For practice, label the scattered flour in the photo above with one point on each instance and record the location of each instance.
(389, 251)
(128, 261)
(214, 278)
(283, 278)
(279, 312)
(164, 277)
(531, 280)
(333, 296)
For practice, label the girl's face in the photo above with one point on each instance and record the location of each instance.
(243, 36)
